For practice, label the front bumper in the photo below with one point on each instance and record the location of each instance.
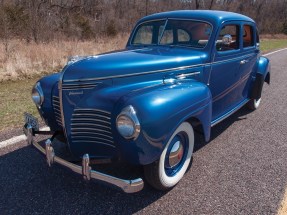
(128, 186)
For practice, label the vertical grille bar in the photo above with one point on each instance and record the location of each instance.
(57, 111)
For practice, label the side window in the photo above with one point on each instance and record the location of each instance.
(182, 36)
(248, 36)
(167, 37)
(231, 31)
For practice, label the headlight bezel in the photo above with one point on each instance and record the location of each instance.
(130, 114)
(37, 95)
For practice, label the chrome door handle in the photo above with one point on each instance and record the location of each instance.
(243, 61)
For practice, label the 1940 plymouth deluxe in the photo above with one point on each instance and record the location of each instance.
(180, 70)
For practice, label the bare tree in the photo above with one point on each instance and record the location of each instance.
(44, 20)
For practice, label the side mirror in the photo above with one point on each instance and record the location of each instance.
(227, 39)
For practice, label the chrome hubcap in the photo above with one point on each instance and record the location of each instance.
(176, 154)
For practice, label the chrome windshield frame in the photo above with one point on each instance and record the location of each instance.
(166, 22)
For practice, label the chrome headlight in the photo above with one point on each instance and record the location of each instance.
(128, 124)
(37, 94)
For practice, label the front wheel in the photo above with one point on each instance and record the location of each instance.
(166, 172)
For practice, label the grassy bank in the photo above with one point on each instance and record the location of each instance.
(35, 60)
(21, 60)
(267, 45)
(15, 97)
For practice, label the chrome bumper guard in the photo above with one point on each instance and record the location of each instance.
(128, 186)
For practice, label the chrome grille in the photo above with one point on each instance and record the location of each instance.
(92, 126)
(57, 112)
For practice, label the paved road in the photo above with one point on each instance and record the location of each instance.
(242, 170)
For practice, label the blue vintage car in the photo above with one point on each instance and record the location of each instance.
(180, 71)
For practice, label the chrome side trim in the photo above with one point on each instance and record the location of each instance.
(232, 87)
(158, 71)
(184, 75)
(221, 118)
(140, 73)
(232, 59)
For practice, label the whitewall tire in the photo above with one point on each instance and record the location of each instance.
(166, 172)
(253, 104)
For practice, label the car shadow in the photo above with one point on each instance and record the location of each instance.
(28, 185)
(216, 130)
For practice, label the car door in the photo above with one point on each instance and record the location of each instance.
(250, 52)
(225, 70)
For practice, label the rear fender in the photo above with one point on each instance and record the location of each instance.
(262, 75)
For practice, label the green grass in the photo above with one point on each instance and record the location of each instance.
(15, 99)
(268, 45)
(15, 96)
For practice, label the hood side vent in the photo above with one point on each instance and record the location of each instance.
(76, 85)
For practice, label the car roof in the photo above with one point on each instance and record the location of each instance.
(212, 16)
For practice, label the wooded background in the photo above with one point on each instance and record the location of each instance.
(46, 20)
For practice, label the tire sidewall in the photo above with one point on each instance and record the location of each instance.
(256, 103)
(170, 181)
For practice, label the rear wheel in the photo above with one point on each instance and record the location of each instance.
(253, 104)
(166, 172)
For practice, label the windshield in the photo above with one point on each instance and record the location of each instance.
(187, 33)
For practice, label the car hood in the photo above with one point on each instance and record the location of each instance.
(132, 62)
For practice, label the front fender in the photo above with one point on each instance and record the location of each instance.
(262, 75)
(50, 88)
(160, 111)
